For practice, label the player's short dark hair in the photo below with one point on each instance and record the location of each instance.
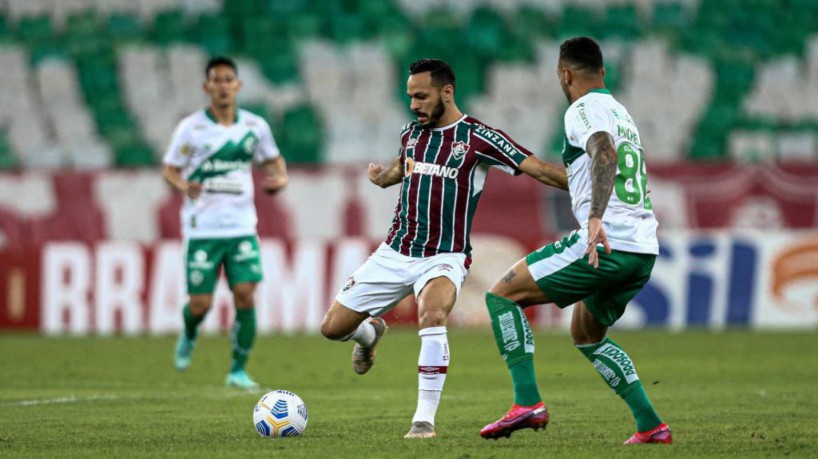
(219, 61)
(440, 71)
(583, 52)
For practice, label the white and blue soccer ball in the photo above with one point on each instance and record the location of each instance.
(280, 413)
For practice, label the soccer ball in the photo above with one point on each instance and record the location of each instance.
(280, 413)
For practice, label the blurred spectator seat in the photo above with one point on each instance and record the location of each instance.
(337, 80)
(684, 85)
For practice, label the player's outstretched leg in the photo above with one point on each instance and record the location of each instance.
(242, 338)
(366, 338)
(183, 353)
(516, 344)
(618, 371)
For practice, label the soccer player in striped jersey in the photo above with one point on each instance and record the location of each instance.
(209, 160)
(600, 267)
(442, 164)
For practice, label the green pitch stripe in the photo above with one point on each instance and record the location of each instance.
(424, 197)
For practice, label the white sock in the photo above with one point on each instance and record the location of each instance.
(433, 363)
(364, 334)
(428, 400)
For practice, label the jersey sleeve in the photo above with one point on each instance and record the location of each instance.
(405, 134)
(267, 148)
(584, 120)
(179, 149)
(498, 149)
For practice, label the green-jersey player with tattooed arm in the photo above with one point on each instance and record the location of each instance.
(599, 267)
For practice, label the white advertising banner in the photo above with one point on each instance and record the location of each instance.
(701, 279)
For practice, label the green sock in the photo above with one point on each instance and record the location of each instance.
(191, 322)
(244, 333)
(516, 344)
(618, 371)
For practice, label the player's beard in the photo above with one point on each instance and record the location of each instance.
(436, 115)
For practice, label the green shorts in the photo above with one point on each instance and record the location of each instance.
(562, 272)
(240, 256)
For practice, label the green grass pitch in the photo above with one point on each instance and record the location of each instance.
(723, 394)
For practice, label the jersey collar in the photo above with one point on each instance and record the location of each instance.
(600, 91)
(450, 125)
(209, 114)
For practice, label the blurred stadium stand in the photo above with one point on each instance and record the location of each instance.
(725, 94)
(99, 83)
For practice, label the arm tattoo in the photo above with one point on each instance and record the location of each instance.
(509, 275)
(603, 171)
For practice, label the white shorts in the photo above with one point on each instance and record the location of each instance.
(389, 276)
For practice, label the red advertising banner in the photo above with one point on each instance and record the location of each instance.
(20, 289)
(99, 252)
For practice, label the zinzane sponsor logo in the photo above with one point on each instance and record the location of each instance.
(496, 140)
(620, 359)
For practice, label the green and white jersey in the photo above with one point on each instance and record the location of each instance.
(629, 220)
(220, 158)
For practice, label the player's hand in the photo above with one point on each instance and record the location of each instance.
(375, 170)
(596, 235)
(274, 183)
(193, 190)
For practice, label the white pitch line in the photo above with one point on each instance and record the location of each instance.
(69, 399)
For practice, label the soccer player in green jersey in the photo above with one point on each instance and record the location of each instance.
(441, 165)
(210, 161)
(600, 267)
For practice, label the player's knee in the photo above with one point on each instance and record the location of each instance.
(504, 290)
(432, 318)
(331, 332)
(199, 306)
(244, 296)
(243, 300)
(581, 337)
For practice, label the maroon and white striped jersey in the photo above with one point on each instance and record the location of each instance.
(444, 173)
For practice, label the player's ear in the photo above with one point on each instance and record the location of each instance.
(448, 93)
(240, 85)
